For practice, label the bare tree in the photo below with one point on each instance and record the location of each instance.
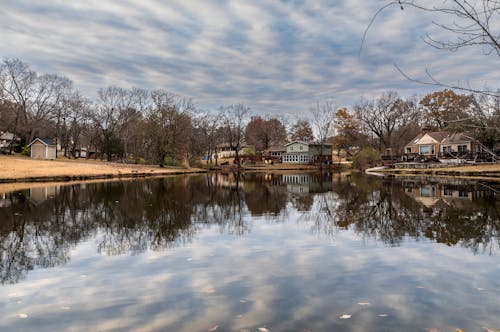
(51, 95)
(301, 131)
(208, 124)
(387, 117)
(322, 120)
(469, 23)
(119, 111)
(234, 119)
(37, 99)
(264, 133)
(16, 83)
(169, 127)
(76, 112)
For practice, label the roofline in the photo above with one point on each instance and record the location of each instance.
(308, 144)
(287, 144)
(41, 141)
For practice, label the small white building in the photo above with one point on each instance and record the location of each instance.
(43, 148)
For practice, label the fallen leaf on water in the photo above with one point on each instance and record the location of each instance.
(383, 315)
(480, 289)
(345, 316)
(459, 330)
(433, 330)
(189, 259)
(209, 290)
(214, 328)
(243, 301)
(420, 287)
(263, 329)
(364, 303)
(22, 316)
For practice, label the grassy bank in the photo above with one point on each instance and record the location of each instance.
(23, 169)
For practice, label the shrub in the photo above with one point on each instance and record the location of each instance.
(26, 150)
(367, 157)
(197, 163)
(170, 161)
(248, 151)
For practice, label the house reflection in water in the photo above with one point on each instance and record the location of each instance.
(307, 183)
(434, 194)
(39, 195)
(4, 200)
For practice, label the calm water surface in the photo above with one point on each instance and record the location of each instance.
(281, 252)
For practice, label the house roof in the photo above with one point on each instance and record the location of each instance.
(437, 135)
(319, 144)
(442, 137)
(45, 141)
(457, 138)
(5, 135)
(309, 143)
(276, 148)
(293, 142)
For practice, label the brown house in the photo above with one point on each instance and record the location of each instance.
(43, 148)
(440, 144)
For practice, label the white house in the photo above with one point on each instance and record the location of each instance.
(299, 152)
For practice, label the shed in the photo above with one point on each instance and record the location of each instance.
(43, 148)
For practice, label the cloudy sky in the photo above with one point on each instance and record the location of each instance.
(275, 56)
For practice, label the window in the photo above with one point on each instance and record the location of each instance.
(462, 193)
(447, 148)
(301, 147)
(462, 148)
(425, 149)
(408, 150)
(428, 191)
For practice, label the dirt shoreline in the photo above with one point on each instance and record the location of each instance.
(21, 169)
(490, 171)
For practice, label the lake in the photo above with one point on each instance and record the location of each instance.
(259, 252)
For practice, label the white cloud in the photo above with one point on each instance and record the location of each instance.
(274, 56)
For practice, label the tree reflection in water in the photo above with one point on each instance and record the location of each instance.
(40, 226)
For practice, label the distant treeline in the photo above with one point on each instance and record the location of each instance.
(137, 125)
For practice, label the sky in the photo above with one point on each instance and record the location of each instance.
(277, 57)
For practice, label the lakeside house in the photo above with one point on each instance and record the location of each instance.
(440, 144)
(299, 152)
(43, 148)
